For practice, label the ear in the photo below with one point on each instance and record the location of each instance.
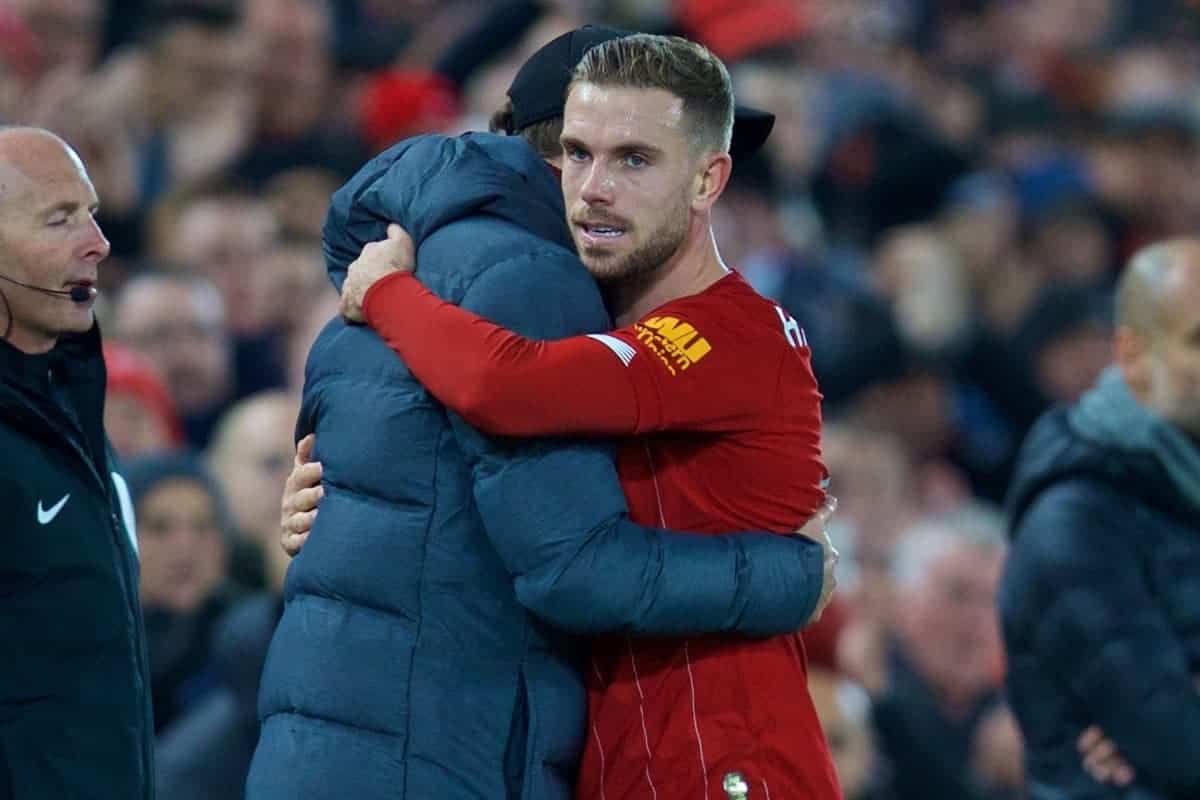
(1131, 351)
(712, 176)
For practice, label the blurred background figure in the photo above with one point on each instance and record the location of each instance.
(206, 751)
(251, 455)
(139, 413)
(176, 320)
(934, 677)
(184, 536)
(845, 713)
(948, 198)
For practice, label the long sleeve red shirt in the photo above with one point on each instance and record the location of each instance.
(716, 396)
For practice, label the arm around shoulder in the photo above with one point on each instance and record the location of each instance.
(557, 515)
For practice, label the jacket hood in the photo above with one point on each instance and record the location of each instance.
(1110, 437)
(429, 182)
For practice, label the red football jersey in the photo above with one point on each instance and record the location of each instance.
(719, 389)
(671, 718)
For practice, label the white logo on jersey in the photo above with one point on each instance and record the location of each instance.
(791, 329)
(623, 351)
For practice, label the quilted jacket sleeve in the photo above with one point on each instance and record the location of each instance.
(1104, 634)
(557, 516)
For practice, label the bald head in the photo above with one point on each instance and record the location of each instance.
(17, 134)
(31, 155)
(50, 241)
(252, 453)
(261, 416)
(1150, 280)
(1158, 339)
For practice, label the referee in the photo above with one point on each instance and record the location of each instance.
(75, 717)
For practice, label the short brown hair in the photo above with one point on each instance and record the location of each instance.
(683, 68)
(542, 136)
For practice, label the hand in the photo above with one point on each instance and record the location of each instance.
(996, 752)
(301, 495)
(1101, 759)
(815, 529)
(377, 260)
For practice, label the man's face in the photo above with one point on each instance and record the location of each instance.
(253, 459)
(950, 619)
(1174, 356)
(296, 34)
(224, 241)
(180, 329)
(48, 238)
(181, 546)
(628, 169)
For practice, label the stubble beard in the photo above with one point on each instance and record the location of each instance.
(1187, 418)
(1172, 401)
(638, 266)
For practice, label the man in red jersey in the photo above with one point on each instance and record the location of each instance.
(714, 378)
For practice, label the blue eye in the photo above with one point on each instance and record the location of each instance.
(575, 154)
(636, 161)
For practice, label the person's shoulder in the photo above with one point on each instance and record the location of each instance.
(1073, 521)
(711, 305)
(540, 277)
(344, 351)
(424, 153)
(1075, 497)
(422, 147)
(474, 150)
(512, 151)
(732, 312)
(733, 302)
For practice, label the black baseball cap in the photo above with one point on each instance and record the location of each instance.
(539, 89)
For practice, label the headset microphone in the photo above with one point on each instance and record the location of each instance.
(76, 294)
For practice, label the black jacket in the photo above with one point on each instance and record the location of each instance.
(206, 753)
(1100, 603)
(928, 753)
(75, 718)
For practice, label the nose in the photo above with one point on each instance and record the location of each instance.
(597, 186)
(95, 246)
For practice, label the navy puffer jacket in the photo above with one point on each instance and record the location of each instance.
(1100, 600)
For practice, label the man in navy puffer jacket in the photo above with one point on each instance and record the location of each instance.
(1100, 600)
(427, 647)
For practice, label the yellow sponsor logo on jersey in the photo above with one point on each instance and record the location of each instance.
(677, 344)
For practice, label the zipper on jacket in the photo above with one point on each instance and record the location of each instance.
(67, 437)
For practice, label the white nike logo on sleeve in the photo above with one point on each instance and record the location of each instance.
(46, 516)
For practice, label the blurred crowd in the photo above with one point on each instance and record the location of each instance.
(951, 189)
